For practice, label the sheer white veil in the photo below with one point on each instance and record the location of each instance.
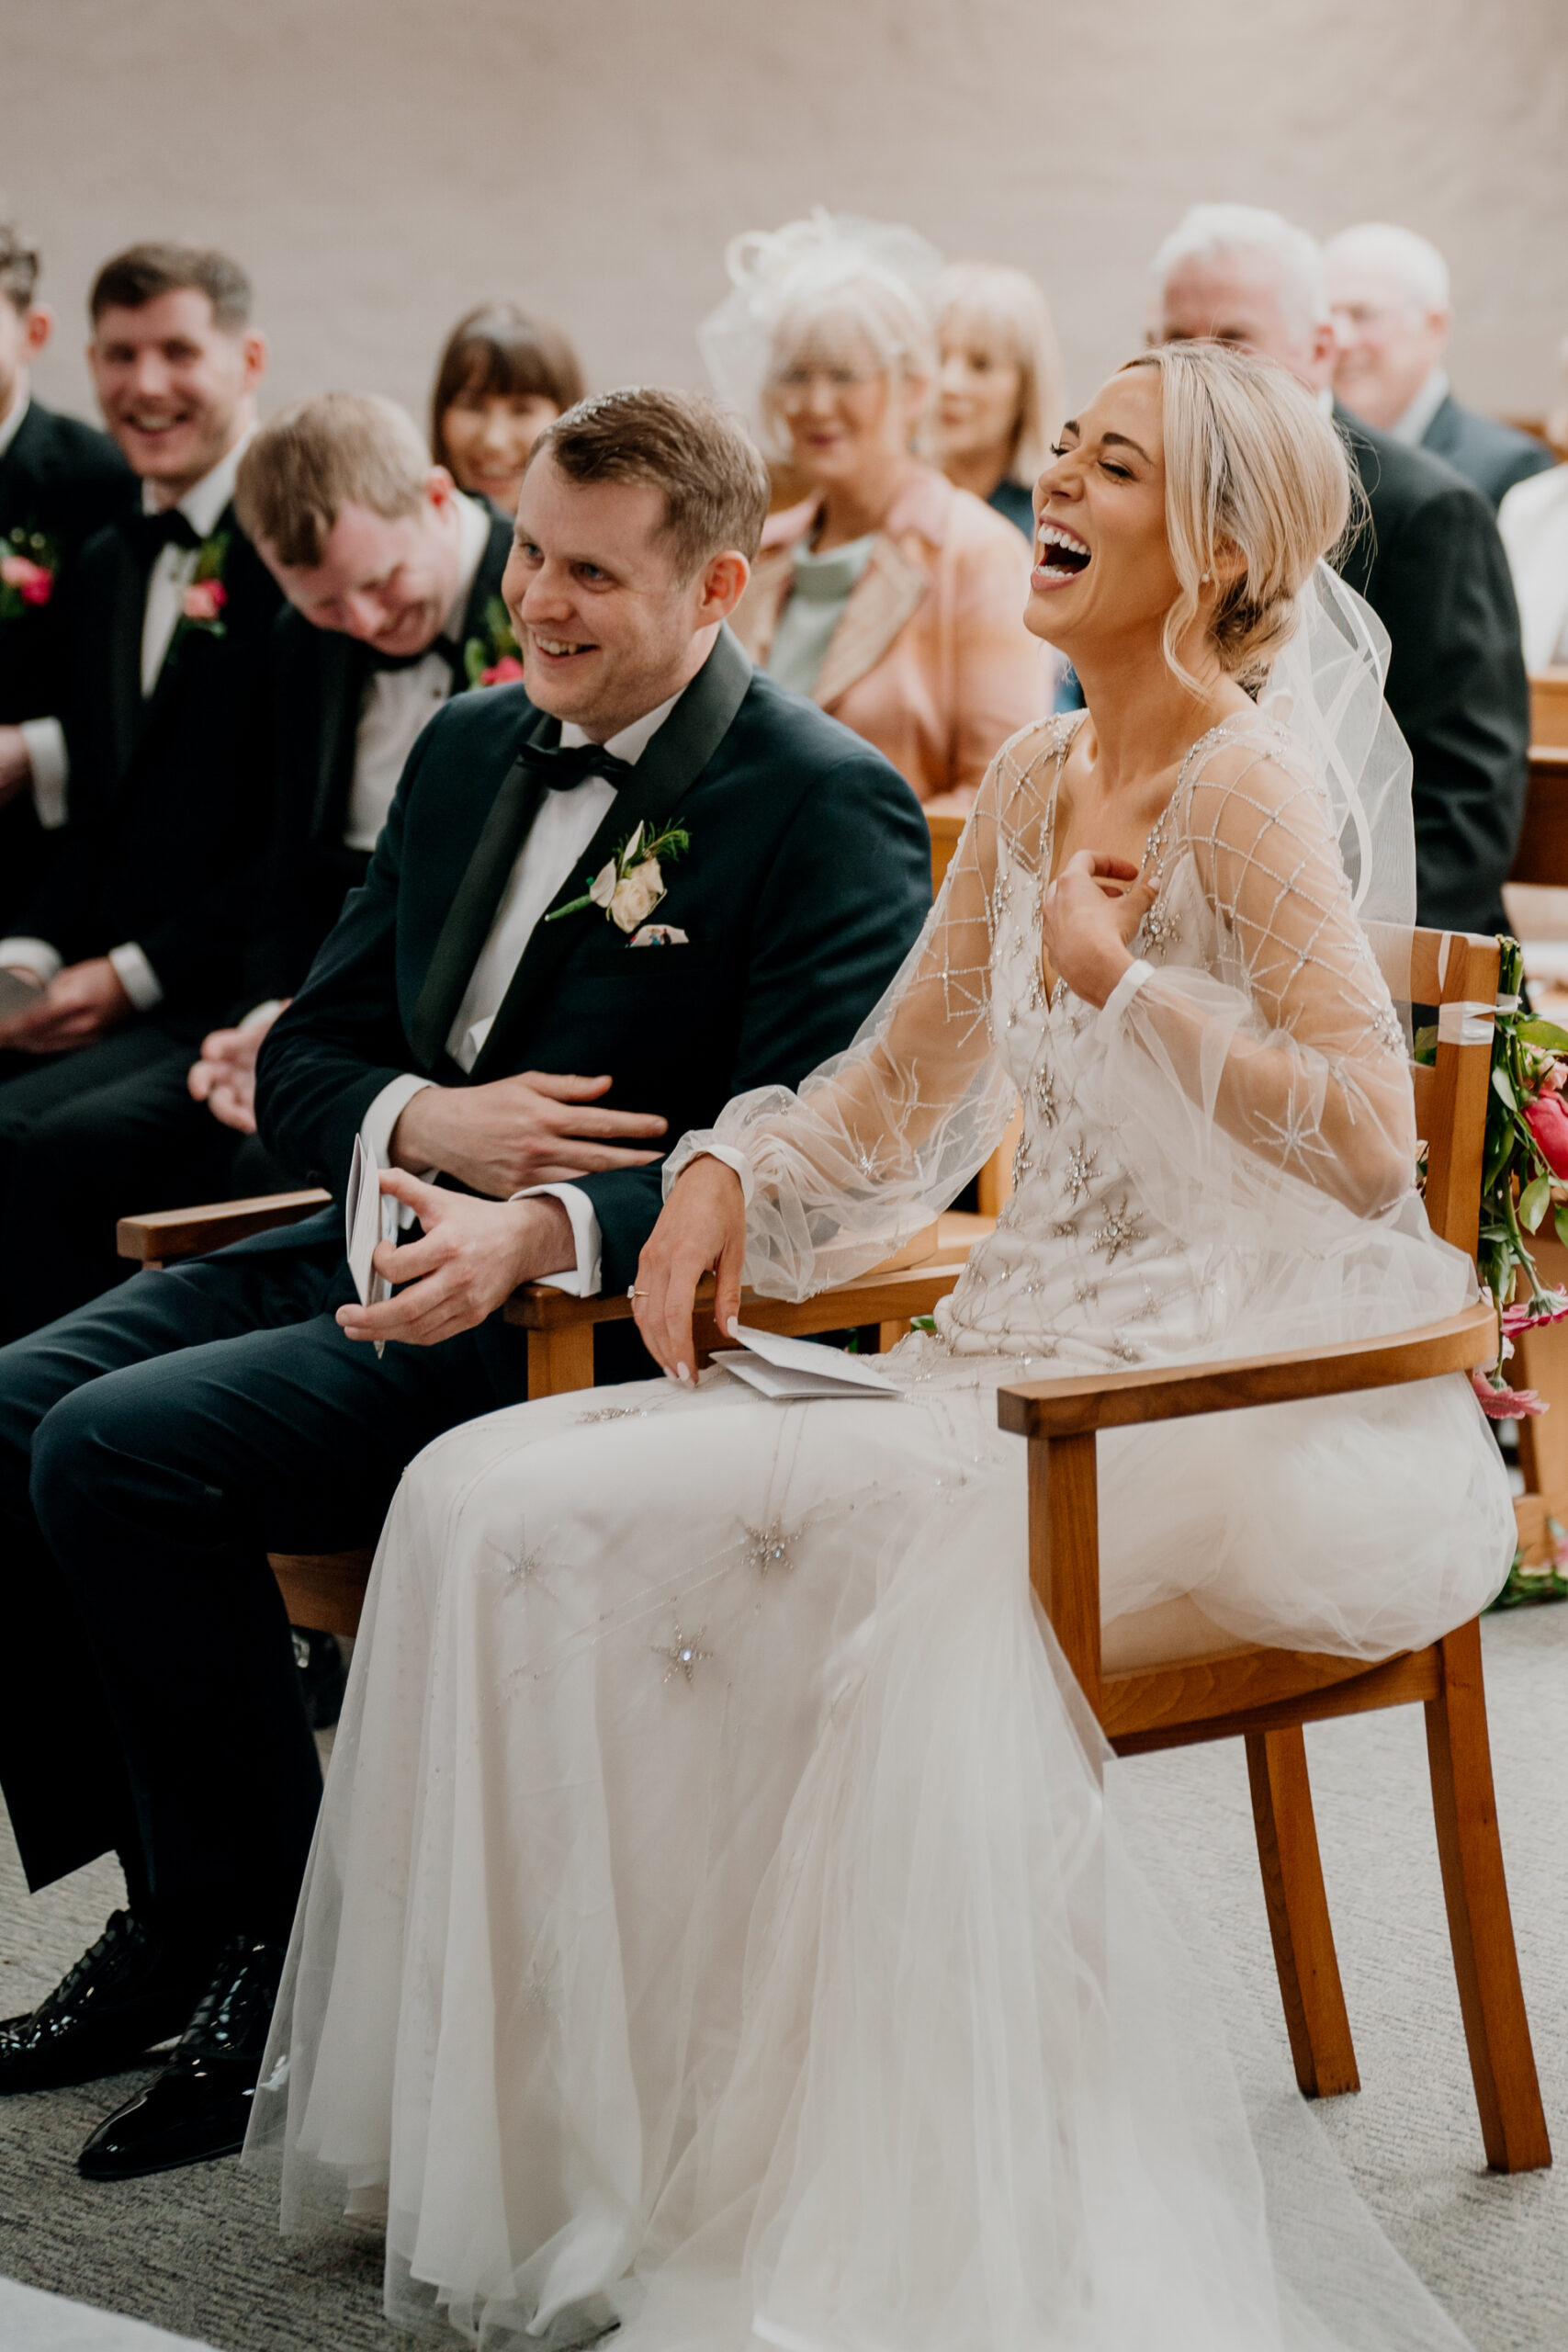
(1326, 689)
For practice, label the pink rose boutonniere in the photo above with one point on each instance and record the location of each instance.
(26, 573)
(493, 658)
(205, 596)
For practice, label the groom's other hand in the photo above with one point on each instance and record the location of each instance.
(538, 1128)
(701, 1229)
(468, 1261)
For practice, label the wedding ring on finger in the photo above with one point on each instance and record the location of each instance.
(633, 1293)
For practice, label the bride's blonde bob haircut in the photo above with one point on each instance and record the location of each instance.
(1254, 469)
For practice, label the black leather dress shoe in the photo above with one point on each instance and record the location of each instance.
(130, 1991)
(198, 2107)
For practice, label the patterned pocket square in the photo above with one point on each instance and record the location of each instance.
(659, 935)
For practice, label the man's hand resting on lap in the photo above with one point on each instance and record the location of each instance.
(539, 1128)
(701, 1231)
(225, 1076)
(470, 1257)
(83, 1002)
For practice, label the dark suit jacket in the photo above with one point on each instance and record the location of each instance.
(1492, 455)
(1431, 565)
(806, 880)
(62, 481)
(168, 823)
(315, 686)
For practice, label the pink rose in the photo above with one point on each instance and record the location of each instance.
(507, 671)
(1548, 1119)
(204, 600)
(34, 583)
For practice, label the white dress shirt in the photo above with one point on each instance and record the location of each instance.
(169, 577)
(398, 703)
(1412, 426)
(565, 823)
(11, 423)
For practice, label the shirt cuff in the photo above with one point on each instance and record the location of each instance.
(375, 1128)
(699, 1144)
(45, 740)
(1122, 995)
(33, 955)
(583, 1279)
(136, 975)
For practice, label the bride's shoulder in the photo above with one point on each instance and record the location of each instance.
(1026, 764)
(1246, 775)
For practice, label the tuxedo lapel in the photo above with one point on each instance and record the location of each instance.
(127, 612)
(665, 774)
(344, 668)
(478, 895)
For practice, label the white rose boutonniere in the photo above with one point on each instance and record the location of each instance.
(628, 886)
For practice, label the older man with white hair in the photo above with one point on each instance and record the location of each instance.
(1388, 290)
(1429, 562)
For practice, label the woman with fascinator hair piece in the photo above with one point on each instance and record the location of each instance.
(724, 1920)
(889, 595)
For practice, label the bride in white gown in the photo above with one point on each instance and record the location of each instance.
(718, 1920)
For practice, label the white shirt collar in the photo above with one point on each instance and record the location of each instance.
(205, 500)
(473, 538)
(633, 740)
(1411, 429)
(12, 424)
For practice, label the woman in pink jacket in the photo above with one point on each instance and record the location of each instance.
(892, 598)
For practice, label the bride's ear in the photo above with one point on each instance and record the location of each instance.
(1229, 567)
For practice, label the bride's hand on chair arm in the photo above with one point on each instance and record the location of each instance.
(701, 1229)
(1088, 920)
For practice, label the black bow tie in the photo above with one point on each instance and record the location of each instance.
(562, 769)
(153, 533)
(450, 653)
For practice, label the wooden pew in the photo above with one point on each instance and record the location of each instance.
(1549, 706)
(1542, 857)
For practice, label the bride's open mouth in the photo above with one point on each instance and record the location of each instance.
(1059, 556)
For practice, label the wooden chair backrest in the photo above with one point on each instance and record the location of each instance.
(1549, 706)
(1454, 969)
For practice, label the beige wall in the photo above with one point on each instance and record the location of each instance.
(380, 164)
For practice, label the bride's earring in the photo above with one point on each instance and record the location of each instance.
(1207, 577)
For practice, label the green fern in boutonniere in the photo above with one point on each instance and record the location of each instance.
(629, 885)
(29, 561)
(201, 606)
(494, 657)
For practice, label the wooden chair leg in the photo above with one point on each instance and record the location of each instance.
(1315, 2016)
(560, 1362)
(1481, 1927)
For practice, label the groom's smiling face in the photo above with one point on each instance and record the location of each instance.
(607, 626)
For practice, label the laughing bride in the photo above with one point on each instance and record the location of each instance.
(718, 1922)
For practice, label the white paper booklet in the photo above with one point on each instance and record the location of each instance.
(368, 1219)
(793, 1370)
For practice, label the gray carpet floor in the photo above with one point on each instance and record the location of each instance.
(197, 2252)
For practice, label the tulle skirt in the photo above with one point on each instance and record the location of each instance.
(722, 1920)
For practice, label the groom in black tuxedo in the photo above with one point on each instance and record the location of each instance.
(59, 481)
(597, 910)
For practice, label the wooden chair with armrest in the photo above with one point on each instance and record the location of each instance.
(1164, 1682)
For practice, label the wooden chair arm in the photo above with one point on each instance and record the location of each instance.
(1114, 1400)
(168, 1234)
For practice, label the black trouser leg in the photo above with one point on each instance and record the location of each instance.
(86, 1138)
(158, 1486)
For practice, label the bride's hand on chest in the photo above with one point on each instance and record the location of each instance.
(1089, 918)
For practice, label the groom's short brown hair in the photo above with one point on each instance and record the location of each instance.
(699, 453)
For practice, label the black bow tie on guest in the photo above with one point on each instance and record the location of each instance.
(450, 652)
(563, 767)
(151, 534)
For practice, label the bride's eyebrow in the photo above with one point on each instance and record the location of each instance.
(1121, 442)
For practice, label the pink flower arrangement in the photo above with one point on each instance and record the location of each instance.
(204, 601)
(34, 583)
(507, 671)
(1501, 1404)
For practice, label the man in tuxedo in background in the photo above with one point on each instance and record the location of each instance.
(1388, 290)
(59, 480)
(132, 938)
(393, 582)
(1430, 565)
(599, 906)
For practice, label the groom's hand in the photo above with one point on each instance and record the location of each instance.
(540, 1128)
(701, 1229)
(470, 1257)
